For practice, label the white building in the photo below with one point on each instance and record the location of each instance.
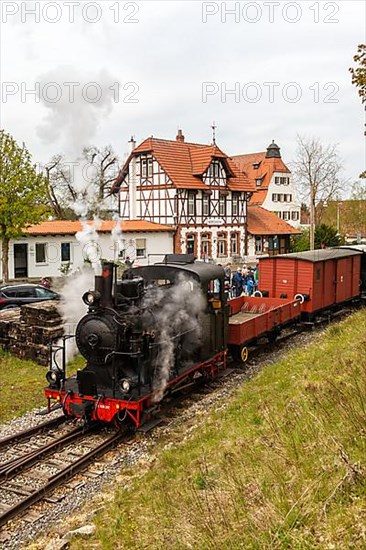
(54, 247)
(274, 186)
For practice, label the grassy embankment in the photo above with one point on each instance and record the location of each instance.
(22, 383)
(284, 466)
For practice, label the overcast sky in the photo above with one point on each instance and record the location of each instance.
(157, 66)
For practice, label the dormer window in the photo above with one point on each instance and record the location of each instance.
(146, 167)
(258, 181)
(256, 165)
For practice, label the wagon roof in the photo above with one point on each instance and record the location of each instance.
(317, 255)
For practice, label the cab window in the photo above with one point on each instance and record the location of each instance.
(214, 289)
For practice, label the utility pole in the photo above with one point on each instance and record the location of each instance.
(312, 218)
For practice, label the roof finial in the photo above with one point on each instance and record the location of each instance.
(214, 133)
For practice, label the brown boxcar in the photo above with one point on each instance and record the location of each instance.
(323, 277)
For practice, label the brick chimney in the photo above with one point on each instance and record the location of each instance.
(180, 136)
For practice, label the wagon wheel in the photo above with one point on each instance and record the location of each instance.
(240, 353)
(244, 354)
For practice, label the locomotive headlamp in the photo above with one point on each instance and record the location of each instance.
(91, 298)
(125, 385)
(53, 377)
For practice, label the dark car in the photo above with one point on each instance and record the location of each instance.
(17, 295)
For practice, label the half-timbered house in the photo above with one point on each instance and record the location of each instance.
(196, 188)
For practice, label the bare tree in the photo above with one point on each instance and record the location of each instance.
(82, 187)
(105, 164)
(317, 170)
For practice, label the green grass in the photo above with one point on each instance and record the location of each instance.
(22, 383)
(282, 467)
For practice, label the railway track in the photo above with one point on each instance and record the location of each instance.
(27, 479)
(26, 434)
(32, 476)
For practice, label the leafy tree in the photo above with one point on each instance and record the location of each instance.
(300, 243)
(317, 170)
(23, 194)
(359, 78)
(325, 237)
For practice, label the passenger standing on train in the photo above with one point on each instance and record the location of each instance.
(238, 282)
(249, 283)
(227, 270)
(256, 273)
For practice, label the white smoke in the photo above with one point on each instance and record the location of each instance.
(180, 314)
(72, 308)
(88, 237)
(116, 236)
(76, 103)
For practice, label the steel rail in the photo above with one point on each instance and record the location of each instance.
(12, 467)
(60, 477)
(31, 431)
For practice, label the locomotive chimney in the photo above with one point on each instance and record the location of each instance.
(106, 284)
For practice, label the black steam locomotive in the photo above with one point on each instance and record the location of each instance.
(158, 329)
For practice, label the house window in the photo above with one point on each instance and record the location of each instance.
(234, 244)
(221, 244)
(277, 180)
(286, 215)
(205, 205)
(294, 216)
(140, 248)
(191, 244)
(215, 169)
(235, 204)
(222, 205)
(274, 197)
(146, 167)
(41, 253)
(191, 203)
(65, 252)
(281, 197)
(205, 245)
(258, 181)
(258, 245)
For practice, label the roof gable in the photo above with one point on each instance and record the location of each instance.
(267, 167)
(185, 163)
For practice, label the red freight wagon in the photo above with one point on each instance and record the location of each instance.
(250, 318)
(323, 277)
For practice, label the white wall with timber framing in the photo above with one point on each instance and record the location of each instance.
(210, 220)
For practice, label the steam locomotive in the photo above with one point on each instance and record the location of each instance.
(158, 329)
(168, 326)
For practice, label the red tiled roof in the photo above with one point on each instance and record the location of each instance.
(263, 222)
(265, 171)
(66, 227)
(185, 163)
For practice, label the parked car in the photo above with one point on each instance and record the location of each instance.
(17, 295)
